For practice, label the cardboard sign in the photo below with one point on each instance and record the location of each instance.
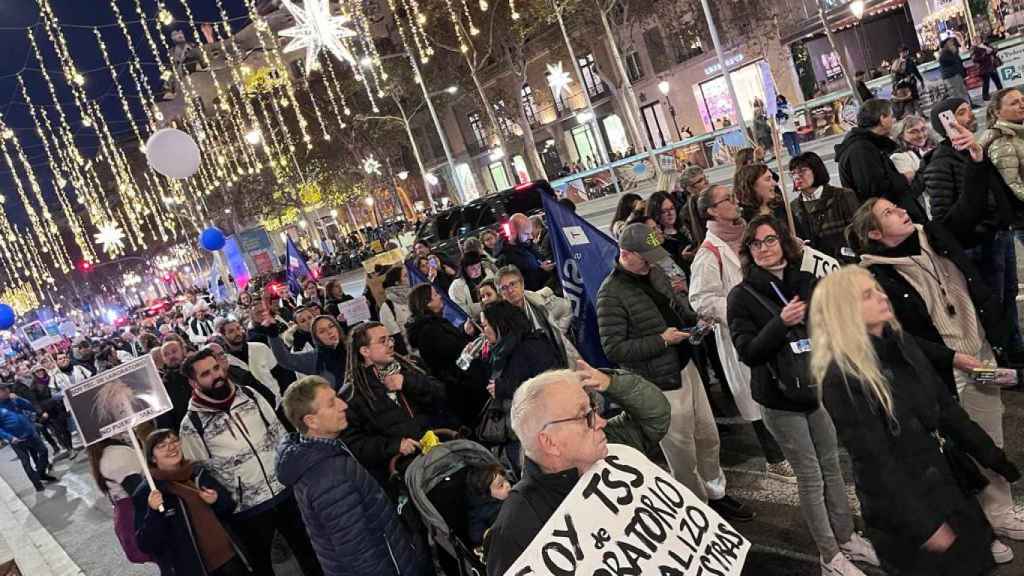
(818, 263)
(114, 401)
(37, 336)
(355, 311)
(628, 516)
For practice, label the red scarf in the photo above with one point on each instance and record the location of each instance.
(218, 405)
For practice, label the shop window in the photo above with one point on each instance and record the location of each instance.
(634, 68)
(529, 104)
(588, 66)
(499, 178)
(477, 126)
(618, 142)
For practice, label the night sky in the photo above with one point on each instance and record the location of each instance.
(77, 18)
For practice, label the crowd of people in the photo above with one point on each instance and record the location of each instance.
(290, 423)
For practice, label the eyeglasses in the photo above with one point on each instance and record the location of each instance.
(800, 172)
(729, 198)
(384, 341)
(768, 242)
(166, 444)
(590, 416)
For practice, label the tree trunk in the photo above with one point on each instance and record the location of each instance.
(505, 161)
(530, 143)
(629, 103)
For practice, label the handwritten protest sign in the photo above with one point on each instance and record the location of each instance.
(818, 263)
(115, 400)
(355, 311)
(628, 516)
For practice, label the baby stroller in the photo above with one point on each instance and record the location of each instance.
(437, 487)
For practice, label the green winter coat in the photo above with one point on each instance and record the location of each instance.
(645, 412)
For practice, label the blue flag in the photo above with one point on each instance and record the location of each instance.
(297, 268)
(452, 312)
(584, 256)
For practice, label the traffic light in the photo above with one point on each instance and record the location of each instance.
(85, 266)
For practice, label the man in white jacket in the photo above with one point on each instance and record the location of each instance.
(234, 433)
(255, 357)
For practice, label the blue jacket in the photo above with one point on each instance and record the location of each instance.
(17, 417)
(351, 522)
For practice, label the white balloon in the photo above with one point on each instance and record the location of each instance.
(172, 153)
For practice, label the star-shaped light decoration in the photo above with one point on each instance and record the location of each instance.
(558, 78)
(371, 166)
(111, 237)
(315, 29)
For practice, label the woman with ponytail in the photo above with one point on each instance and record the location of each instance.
(906, 434)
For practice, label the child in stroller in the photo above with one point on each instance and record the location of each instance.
(488, 488)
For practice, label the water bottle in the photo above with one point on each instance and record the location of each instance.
(702, 329)
(470, 352)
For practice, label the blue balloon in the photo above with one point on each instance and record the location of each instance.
(6, 317)
(212, 239)
(640, 168)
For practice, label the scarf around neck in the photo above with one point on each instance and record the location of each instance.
(214, 543)
(399, 294)
(731, 233)
(213, 403)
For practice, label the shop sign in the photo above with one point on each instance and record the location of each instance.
(729, 63)
(1012, 70)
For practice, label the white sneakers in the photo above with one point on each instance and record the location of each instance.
(1009, 525)
(1001, 553)
(840, 566)
(860, 549)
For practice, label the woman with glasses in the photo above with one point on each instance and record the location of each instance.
(905, 434)
(676, 239)
(392, 403)
(715, 272)
(768, 321)
(821, 212)
(183, 523)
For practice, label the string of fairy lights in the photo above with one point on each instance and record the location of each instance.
(240, 132)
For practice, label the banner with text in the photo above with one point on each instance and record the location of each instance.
(628, 516)
(115, 400)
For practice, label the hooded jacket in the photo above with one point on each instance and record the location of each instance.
(865, 168)
(328, 363)
(351, 523)
(237, 446)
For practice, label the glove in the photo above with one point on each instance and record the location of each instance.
(1007, 469)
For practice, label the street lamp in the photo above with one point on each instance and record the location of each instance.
(664, 87)
(857, 8)
(334, 213)
(453, 89)
(403, 174)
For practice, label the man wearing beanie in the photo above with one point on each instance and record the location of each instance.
(864, 163)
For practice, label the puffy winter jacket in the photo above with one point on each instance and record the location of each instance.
(351, 523)
(946, 179)
(865, 168)
(238, 447)
(631, 326)
(1004, 144)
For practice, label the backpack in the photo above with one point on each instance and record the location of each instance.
(124, 528)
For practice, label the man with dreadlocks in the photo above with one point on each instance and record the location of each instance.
(392, 402)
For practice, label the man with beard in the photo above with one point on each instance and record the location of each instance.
(73, 374)
(178, 388)
(255, 357)
(518, 250)
(200, 325)
(234, 432)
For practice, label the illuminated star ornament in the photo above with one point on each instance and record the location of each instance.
(111, 237)
(315, 29)
(371, 166)
(558, 78)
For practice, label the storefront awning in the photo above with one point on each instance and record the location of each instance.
(839, 18)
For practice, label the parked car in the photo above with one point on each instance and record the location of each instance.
(444, 230)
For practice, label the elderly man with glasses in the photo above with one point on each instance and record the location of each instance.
(557, 417)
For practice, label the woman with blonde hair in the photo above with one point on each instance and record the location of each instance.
(905, 433)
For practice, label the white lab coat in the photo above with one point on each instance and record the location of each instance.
(709, 289)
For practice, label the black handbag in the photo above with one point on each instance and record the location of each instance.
(495, 427)
(964, 469)
(789, 370)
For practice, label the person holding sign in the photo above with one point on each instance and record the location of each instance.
(912, 446)
(939, 296)
(556, 417)
(768, 322)
(182, 523)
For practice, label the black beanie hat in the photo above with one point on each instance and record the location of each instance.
(950, 104)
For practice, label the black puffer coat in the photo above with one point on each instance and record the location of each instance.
(904, 482)
(865, 168)
(631, 325)
(439, 344)
(351, 522)
(516, 359)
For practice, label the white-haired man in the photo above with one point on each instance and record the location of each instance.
(556, 418)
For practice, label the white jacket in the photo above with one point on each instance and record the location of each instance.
(394, 322)
(463, 298)
(709, 289)
(237, 446)
(261, 362)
